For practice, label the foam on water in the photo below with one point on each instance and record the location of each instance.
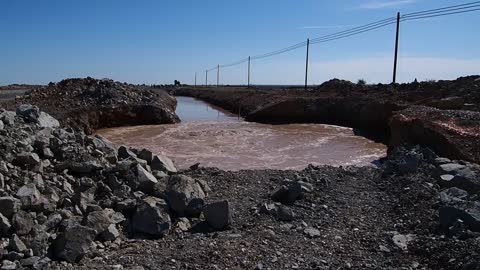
(230, 144)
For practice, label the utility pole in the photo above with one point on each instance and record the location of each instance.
(306, 64)
(195, 79)
(206, 78)
(248, 85)
(218, 75)
(396, 49)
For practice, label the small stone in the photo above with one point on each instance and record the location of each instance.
(312, 232)
(402, 240)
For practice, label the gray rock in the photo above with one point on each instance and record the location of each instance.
(16, 244)
(28, 195)
(22, 222)
(8, 118)
(183, 225)
(74, 243)
(181, 189)
(312, 232)
(288, 195)
(151, 217)
(2, 126)
(8, 265)
(39, 243)
(451, 168)
(28, 112)
(218, 214)
(47, 121)
(402, 240)
(146, 155)
(110, 234)
(5, 225)
(125, 153)
(441, 161)
(98, 220)
(146, 181)
(162, 163)
(9, 206)
(27, 160)
(29, 262)
(284, 213)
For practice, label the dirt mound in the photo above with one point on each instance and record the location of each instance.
(89, 104)
(455, 134)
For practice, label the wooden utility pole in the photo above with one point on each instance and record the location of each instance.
(195, 79)
(218, 75)
(306, 64)
(248, 85)
(395, 61)
(206, 78)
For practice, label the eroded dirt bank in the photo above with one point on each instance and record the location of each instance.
(367, 107)
(89, 104)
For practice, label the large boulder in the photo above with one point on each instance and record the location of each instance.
(73, 243)
(151, 218)
(145, 181)
(218, 214)
(47, 121)
(28, 195)
(181, 191)
(468, 212)
(162, 163)
(28, 112)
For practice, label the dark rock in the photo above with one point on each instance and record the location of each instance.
(218, 214)
(29, 262)
(28, 112)
(110, 234)
(146, 155)
(284, 213)
(125, 153)
(74, 243)
(181, 189)
(27, 160)
(288, 195)
(151, 218)
(9, 206)
(468, 212)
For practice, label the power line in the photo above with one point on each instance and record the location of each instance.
(438, 15)
(359, 28)
(442, 9)
(352, 34)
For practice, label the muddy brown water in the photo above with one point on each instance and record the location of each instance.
(216, 138)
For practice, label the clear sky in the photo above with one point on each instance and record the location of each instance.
(158, 41)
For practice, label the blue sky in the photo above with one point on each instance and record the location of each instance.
(150, 41)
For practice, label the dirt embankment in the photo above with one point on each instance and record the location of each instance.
(369, 108)
(90, 104)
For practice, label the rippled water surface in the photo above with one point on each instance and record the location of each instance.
(218, 139)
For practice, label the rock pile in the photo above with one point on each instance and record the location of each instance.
(63, 193)
(89, 104)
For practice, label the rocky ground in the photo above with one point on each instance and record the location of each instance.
(73, 201)
(89, 104)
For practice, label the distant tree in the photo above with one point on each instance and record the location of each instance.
(361, 82)
(177, 83)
